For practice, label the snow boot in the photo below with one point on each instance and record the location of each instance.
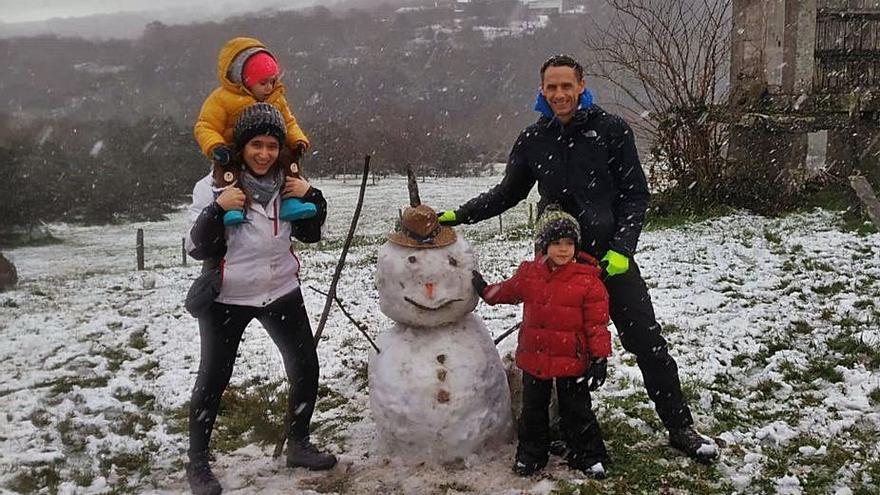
(201, 480)
(688, 440)
(233, 217)
(293, 209)
(301, 453)
(527, 468)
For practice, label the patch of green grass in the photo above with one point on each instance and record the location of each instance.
(138, 339)
(826, 290)
(329, 399)
(66, 384)
(150, 369)
(863, 303)
(640, 464)
(739, 360)
(853, 350)
(767, 388)
(772, 237)
(250, 413)
(134, 425)
(875, 396)
(115, 357)
(801, 327)
(680, 217)
(144, 400)
(33, 479)
(824, 370)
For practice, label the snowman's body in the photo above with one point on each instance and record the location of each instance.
(438, 390)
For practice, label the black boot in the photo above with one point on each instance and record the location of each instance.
(528, 462)
(201, 480)
(691, 442)
(301, 453)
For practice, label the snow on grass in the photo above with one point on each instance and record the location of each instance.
(773, 323)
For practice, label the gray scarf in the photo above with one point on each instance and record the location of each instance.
(261, 189)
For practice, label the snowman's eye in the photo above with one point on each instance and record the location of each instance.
(412, 259)
(453, 261)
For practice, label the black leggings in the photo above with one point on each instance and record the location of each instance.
(221, 331)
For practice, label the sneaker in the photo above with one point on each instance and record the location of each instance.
(301, 453)
(595, 471)
(201, 480)
(527, 468)
(688, 440)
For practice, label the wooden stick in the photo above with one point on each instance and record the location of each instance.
(285, 431)
(341, 263)
(360, 326)
(508, 332)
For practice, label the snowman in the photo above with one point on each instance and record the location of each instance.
(438, 390)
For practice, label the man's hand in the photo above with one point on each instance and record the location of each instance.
(478, 282)
(614, 263)
(597, 373)
(448, 218)
(221, 155)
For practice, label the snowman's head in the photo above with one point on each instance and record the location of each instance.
(426, 287)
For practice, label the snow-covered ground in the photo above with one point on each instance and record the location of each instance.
(775, 324)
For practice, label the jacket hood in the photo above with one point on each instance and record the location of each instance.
(543, 106)
(231, 61)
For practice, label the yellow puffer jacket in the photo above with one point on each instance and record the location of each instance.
(221, 109)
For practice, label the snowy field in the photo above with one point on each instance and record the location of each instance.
(775, 324)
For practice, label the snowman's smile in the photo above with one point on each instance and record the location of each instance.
(431, 308)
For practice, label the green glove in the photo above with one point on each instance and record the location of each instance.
(448, 218)
(614, 263)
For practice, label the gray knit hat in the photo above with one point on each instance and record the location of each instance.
(256, 120)
(554, 224)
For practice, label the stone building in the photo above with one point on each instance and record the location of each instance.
(805, 86)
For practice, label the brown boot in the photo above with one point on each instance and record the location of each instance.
(301, 453)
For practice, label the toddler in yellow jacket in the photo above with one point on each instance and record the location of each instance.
(248, 74)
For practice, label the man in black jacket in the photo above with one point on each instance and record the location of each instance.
(585, 160)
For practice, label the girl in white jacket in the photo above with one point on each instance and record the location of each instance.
(259, 280)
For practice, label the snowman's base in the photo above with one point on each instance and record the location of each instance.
(439, 394)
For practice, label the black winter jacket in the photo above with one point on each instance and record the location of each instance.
(589, 167)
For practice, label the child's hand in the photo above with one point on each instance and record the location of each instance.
(232, 198)
(295, 187)
(597, 373)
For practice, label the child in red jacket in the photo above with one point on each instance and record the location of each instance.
(564, 336)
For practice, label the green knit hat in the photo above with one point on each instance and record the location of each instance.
(554, 224)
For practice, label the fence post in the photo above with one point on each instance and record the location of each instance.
(500, 225)
(531, 215)
(183, 251)
(140, 249)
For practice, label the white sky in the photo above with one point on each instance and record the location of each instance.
(37, 10)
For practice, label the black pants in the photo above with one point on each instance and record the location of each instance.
(221, 331)
(633, 315)
(578, 424)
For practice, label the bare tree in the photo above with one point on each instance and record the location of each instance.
(670, 59)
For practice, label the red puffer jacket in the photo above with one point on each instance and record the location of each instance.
(565, 315)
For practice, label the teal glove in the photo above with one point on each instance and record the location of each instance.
(448, 218)
(614, 263)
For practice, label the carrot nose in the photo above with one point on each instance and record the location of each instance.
(429, 288)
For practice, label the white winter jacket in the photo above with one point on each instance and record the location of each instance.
(259, 265)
